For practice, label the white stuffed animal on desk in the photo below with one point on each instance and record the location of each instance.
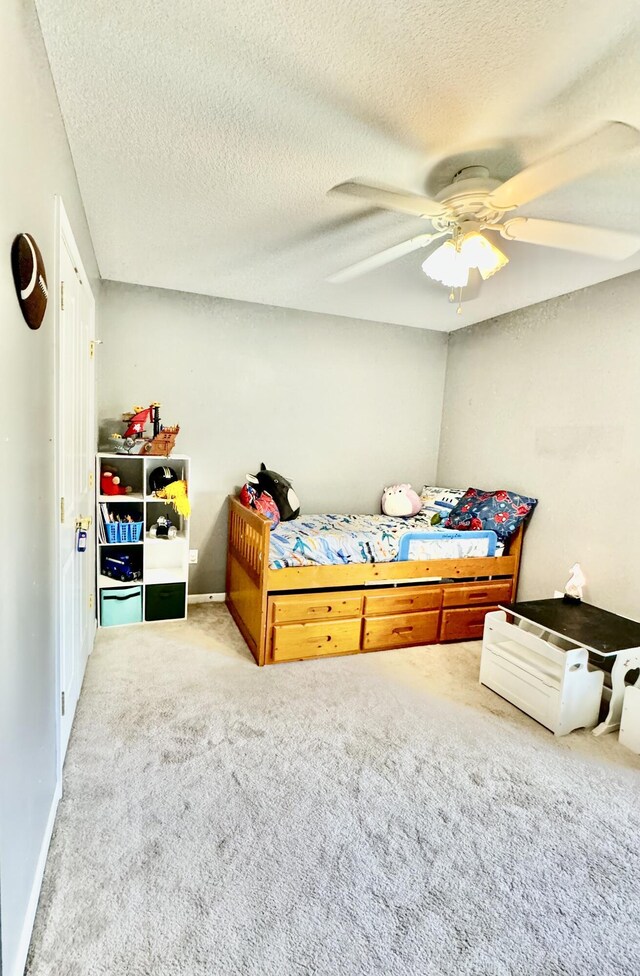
(575, 583)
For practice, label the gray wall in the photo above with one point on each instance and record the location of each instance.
(546, 400)
(35, 164)
(341, 407)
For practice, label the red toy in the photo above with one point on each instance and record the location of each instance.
(266, 506)
(137, 422)
(262, 503)
(110, 484)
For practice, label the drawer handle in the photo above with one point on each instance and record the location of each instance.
(402, 630)
(479, 596)
(320, 609)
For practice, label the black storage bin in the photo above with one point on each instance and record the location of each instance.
(164, 601)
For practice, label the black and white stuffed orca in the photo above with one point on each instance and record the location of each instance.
(280, 490)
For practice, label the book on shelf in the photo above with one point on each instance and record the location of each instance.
(105, 517)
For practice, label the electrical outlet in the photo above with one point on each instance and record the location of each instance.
(193, 557)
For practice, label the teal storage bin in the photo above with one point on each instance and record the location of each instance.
(121, 605)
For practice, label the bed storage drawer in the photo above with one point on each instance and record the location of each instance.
(291, 642)
(402, 600)
(400, 630)
(304, 607)
(465, 623)
(466, 594)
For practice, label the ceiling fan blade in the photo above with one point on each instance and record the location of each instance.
(388, 198)
(569, 164)
(598, 241)
(383, 257)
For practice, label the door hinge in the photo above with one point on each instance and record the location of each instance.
(63, 702)
(62, 296)
(62, 509)
(92, 349)
(91, 479)
(91, 601)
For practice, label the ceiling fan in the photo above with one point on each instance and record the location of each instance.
(475, 203)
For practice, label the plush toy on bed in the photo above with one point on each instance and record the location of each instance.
(400, 500)
(262, 503)
(280, 490)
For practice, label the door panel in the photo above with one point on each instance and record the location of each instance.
(76, 448)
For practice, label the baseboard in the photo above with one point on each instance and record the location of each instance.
(206, 598)
(24, 942)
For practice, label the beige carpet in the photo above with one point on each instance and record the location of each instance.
(377, 814)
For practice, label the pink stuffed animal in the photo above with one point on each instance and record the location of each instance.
(400, 500)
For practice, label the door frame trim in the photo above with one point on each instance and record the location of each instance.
(63, 237)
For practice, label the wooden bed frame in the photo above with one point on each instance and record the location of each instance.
(318, 611)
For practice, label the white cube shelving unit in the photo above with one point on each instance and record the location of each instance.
(164, 563)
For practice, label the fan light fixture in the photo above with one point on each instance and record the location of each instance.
(451, 262)
(447, 265)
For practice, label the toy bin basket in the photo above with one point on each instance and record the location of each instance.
(123, 531)
(130, 531)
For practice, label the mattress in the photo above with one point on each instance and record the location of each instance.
(331, 540)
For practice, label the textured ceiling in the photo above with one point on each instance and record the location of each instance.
(206, 133)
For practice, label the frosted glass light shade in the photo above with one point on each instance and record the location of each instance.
(448, 266)
(451, 266)
(480, 253)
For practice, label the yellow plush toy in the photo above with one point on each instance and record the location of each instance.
(176, 493)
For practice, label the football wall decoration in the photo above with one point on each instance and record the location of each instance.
(30, 279)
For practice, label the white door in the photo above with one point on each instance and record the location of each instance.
(75, 453)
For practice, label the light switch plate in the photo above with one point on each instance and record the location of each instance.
(193, 557)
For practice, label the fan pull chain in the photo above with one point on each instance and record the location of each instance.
(452, 298)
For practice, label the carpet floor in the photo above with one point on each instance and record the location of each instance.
(377, 814)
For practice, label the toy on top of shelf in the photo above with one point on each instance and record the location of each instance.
(134, 440)
(163, 529)
(110, 484)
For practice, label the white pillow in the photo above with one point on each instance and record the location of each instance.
(440, 500)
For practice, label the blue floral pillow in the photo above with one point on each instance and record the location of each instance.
(500, 511)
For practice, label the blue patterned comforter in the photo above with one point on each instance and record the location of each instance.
(328, 540)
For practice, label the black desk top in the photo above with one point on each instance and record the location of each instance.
(603, 632)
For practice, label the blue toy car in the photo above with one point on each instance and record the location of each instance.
(119, 567)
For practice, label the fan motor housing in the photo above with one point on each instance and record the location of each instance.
(467, 197)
